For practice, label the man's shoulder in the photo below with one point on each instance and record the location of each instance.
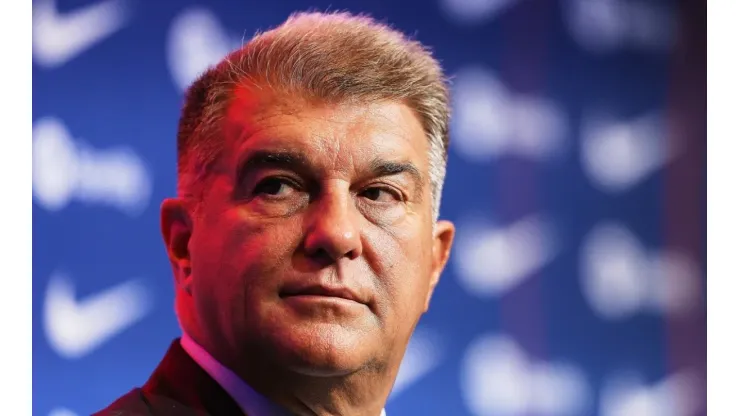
(139, 403)
(178, 386)
(131, 403)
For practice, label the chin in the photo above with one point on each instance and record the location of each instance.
(324, 350)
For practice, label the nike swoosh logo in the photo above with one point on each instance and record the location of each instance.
(58, 38)
(75, 328)
(494, 261)
(618, 155)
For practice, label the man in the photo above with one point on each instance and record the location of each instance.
(304, 240)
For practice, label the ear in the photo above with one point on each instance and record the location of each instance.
(176, 225)
(444, 233)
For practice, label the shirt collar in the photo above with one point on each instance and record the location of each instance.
(248, 400)
(251, 402)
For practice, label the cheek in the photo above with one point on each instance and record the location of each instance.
(400, 258)
(237, 265)
(215, 267)
(240, 251)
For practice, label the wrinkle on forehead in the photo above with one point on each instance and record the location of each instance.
(340, 131)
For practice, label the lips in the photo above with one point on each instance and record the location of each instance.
(322, 290)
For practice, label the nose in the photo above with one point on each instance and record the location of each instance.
(333, 232)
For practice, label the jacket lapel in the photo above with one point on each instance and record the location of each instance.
(180, 384)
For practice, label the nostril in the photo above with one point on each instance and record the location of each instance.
(322, 257)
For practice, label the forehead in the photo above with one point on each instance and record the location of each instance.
(345, 133)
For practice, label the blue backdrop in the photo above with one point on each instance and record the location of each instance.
(576, 178)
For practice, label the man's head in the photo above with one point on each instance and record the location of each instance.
(310, 170)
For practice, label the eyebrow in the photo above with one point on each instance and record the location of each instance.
(299, 163)
(274, 159)
(382, 167)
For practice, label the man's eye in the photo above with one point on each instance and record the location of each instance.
(273, 187)
(380, 194)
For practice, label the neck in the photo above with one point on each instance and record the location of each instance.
(363, 392)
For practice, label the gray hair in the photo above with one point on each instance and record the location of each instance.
(328, 56)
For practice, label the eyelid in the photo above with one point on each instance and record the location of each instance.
(255, 187)
(282, 176)
(399, 194)
(298, 183)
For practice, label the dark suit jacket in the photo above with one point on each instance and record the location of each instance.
(179, 386)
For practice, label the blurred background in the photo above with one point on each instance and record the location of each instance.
(577, 179)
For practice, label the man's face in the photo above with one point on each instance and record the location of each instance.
(315, 245)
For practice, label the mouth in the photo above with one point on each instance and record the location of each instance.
(321, 291)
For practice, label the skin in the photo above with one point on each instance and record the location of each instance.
(309, 193)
